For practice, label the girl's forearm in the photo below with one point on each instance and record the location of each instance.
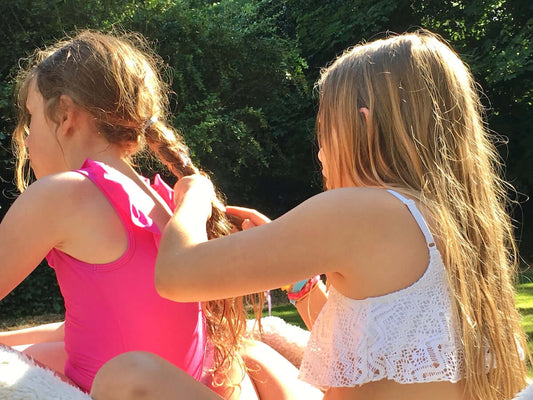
(181, 232)
(54, 332)
(186, 227)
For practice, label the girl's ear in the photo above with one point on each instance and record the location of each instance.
(366, 113)
(66, 114)
(368, 121)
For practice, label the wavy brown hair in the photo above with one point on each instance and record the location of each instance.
(425, 136)
(117, 79)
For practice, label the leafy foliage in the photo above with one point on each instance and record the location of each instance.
(232, 74)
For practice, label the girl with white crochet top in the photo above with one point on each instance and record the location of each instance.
(411, 232)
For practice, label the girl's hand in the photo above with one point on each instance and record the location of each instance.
(251, 218)
(196, 194)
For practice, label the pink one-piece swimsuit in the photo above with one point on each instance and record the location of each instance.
(114, 308)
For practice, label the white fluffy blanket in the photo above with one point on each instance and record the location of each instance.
(526, 394)
(22, 379)
(288, 340)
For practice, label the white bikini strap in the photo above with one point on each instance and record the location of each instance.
(417, 215)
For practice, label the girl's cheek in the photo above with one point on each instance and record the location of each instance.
(321, 155)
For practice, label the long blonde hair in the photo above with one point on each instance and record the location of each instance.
(117, 80)
(425, 134)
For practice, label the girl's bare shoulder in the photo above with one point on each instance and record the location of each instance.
(61, 195)
(379, 246)
(61, 187)
(352, 202)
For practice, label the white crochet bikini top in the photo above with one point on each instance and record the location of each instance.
(406, 336)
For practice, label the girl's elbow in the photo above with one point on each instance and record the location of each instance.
(166, 284)
(162, 282)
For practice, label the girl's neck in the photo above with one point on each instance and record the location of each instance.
(116, 159)
(109, 154)
(84, 141)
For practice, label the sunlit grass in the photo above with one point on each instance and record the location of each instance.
(288, 313)
(524, 303)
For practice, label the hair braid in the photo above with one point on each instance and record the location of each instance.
(226, 318)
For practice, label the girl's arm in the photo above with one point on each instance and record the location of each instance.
(310, 305)
(54, 332)
(309, 240)
(30, 229)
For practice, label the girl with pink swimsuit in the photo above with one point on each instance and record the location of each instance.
(87, 105)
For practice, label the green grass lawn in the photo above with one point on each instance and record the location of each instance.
(524, 302)
(288, 313)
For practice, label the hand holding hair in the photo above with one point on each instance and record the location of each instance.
(196, 194)
(249, 218)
